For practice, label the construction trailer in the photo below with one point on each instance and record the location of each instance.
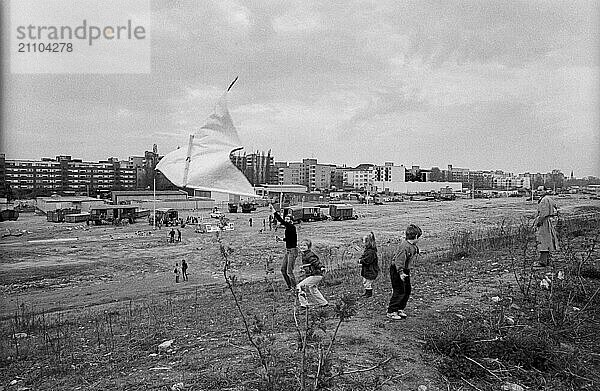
(295, 212)
(164, 216)
(59, 215)
(112, 214)
(312, 213)
(342, 212)
(77, 218)
(142, 213)
(304, 213)
(55, 202)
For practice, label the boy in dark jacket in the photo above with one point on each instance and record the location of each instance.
(370, 264)
(308, 293)
(407, 253)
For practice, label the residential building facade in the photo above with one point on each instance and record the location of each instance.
(67, 175)
(388, 177)
(308, 172)
(361, 177)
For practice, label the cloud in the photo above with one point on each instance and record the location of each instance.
(379, 104)
(411, 81)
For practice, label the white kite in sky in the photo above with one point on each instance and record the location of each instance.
(205, 163)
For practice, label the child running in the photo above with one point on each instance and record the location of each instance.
(308, 293)
(370, 264)
(403, 260)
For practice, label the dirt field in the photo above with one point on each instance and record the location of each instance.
(96, 302)
(62, 266)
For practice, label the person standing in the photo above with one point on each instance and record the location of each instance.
(172, 236)
(370, 264)
(184, 267)
(250, 221)
(403, 260)
(546, 236)
(178, 235)
(177, 272)
(291, 250)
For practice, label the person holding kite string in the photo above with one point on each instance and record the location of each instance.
(291, 249)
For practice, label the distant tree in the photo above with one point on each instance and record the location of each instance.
(537, 182)
(555, 180)
(8, 192)
(436, 175)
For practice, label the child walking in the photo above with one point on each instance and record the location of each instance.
(370, 264)
(308, 292)
(400, 272)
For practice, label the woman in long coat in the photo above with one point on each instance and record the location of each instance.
(547, 238)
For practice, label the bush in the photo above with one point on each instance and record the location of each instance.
(590, 272)
(528, 350)
(465, 346)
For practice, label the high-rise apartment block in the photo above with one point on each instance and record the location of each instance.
(313, 175)
(65, 174)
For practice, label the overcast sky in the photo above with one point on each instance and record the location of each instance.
(510, 85)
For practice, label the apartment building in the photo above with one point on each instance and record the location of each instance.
(308, 172)
(65, 174)
(361, 177)
(3, 184)
(388, 177)
(486, 179)
(510, 182)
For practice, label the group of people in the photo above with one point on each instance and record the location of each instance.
(307, 289)
(191, 220)
(172, 235)
(400, 267)
(181, 271)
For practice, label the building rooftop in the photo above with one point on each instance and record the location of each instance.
(148, 192)
(67, 199)
(112, 207)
